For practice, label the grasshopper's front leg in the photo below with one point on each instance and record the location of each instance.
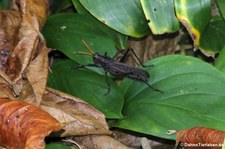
(106, 75)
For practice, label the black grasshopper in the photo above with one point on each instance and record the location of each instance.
(117, 68)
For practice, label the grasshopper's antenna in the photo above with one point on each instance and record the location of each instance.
(86, 53)
(89, 49)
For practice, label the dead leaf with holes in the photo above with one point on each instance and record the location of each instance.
(200, 137)
(24, 126)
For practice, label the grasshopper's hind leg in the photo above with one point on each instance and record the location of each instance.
(154, 89)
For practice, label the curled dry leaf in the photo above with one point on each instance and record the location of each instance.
(27, 39)
(38, 82)
(34, 10)
(78, 117)
(9, 25)
(201, 138)
(24, 125)
(23, 52)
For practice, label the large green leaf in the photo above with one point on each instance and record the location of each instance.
(125, 16)
(213, 38)
(87, 85)
(161, 16)
(195, 16)
(118, 38)
(66, 31)
(193, 96)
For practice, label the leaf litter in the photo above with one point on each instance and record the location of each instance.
(28, 110)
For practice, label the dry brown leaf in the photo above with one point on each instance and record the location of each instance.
(99, 142)
(201, 138)
(127, 139)
(6, 91)
(30, 51)
(32, 8)
(78, 117)
(152, 46)
(24, 125)
(38, 82)
(9, 25)
(23, 52)
(33, 15)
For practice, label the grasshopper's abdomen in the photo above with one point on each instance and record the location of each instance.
(139, 75)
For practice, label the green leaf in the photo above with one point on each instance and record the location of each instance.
(213, 38)
(220, 61)
(88, 86)
(60, 5)
(66, 31)
(80, 8)
(193, 96)
(118, 38)
(161, 16)
(57, 146)
(194, 15)
(4, 4)
(125, 16)
(221, 5)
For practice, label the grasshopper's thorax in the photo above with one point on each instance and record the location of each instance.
(101, 60)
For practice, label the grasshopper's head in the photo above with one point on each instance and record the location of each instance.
(99, 60)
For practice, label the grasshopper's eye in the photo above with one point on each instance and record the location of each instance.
(95, 56)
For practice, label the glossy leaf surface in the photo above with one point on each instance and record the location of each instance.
(118, 38)
(125, 16)
(161, 16)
